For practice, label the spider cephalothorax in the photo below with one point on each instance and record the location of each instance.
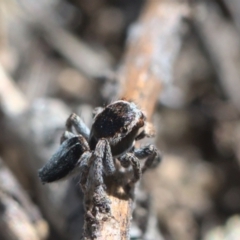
(119, 123)
(93, 153)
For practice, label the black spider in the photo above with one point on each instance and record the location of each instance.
(93, 153)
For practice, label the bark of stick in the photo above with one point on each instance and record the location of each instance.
(154, 44)
(147, 67)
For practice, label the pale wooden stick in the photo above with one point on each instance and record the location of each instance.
(147, 66)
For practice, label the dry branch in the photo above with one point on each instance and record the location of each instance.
(152, 50)
(153, 47)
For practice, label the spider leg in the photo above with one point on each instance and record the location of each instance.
(75, 121)
(151, 153)
(66, 135)
(64, 161)
(84, 165)
(95, 182)
(130, 159)
(108, 162)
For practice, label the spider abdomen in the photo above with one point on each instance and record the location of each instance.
(63, 161)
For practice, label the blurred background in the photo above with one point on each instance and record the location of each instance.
(61, 56)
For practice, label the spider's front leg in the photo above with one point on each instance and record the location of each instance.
(75, 121)
(152, 155)
(102, 162)
(150, 152)
(130, 159)
(67, 135)
(84, 165)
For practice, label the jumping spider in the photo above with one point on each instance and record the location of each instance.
(93, 153)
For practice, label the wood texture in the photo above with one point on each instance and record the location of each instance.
(153, 46)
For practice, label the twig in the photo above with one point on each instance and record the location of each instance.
(151, 52)
(153, 47)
